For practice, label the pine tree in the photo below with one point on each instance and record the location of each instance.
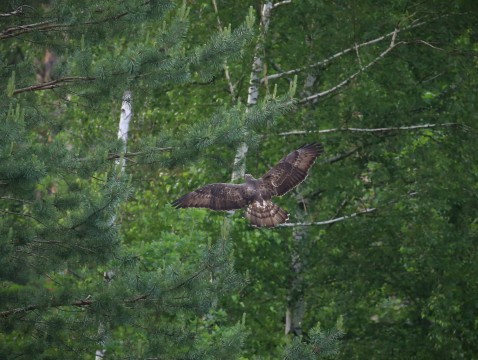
(60, 188)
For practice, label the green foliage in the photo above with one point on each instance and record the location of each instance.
(402, 277)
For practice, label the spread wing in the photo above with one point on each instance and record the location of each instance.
(214, 196)
(291, 170)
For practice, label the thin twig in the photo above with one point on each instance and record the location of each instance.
(373, 130)
(333, 89)
(277, 4)
(17, 11)
(342, 156)
(430, 45)
(358, 56)
(331, 221)
(355, 47)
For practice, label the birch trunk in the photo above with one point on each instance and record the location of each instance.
(123, 129)
(295, 297)
(239, 167)
(125, 119)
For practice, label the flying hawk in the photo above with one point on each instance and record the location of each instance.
(255, 194)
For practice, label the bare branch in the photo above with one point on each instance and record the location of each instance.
(355, 47)
(373, 130)
(394, 37)
(277, 4)
(333, 89)
(430, 45)
(342, 156)
(17, 11)
(328, 222)
(358, 57)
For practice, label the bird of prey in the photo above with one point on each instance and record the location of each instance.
(255, 194)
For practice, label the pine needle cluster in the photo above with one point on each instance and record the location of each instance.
(320, 344)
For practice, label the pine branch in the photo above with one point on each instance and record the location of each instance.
(51, 25)
(94, 213)
(15, 199)
(232, 88)
(22, 215)
(62, 244)
(79, 303)
(133, 154)
(7, 313)
(189, 279)
(22, 29)
(88, 301)
(331, 221)
(54, 84)
(373, 130)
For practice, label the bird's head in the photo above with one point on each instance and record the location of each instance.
(248, 177)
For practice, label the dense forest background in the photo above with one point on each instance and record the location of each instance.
(379, 259)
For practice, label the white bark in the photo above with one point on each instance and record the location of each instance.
(123, 129)
(125, 119)
(239, 166)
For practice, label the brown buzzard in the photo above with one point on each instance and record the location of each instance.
(255, 194)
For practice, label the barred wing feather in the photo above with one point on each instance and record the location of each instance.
(216, 196)
(291, 170)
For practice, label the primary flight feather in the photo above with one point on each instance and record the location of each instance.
(255, 194)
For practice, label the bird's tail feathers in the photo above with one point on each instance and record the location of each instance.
(265, 214)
